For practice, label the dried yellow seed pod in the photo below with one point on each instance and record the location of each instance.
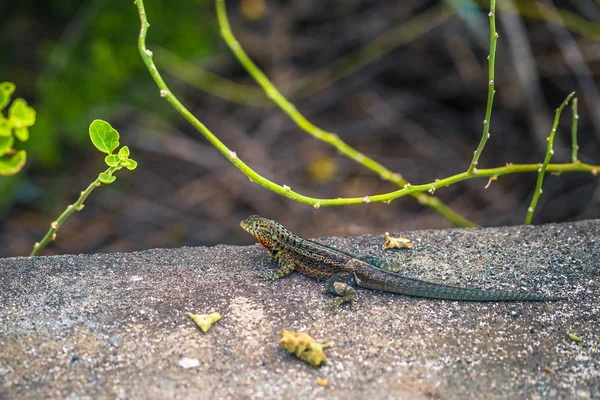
(204, 321)
(396, 243)
(304, 347)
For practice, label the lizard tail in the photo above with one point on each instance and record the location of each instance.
(395, 283)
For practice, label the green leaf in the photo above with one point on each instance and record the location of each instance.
(104, 136)
(5, 127)
(112, 160)
(6, 143)
(124, 153)
(12, 165)
(106, 178)
(22, 134)
(6, 89)
(20, 114)
(129, 164)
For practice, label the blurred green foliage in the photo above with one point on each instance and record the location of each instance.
(16, 125)
(78, 60)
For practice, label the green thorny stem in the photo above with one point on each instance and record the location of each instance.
(574, 122)
(491, 88)
(77, 206)
(285, 190)
(542, 167)
(330, 138)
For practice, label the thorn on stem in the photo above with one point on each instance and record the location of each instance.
(492, 178)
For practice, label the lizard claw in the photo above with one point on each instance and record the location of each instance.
(334, 305)
(336, 302)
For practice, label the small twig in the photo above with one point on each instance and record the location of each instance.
(575, 121)
(542, 170)
(491, 88)
(77, 206)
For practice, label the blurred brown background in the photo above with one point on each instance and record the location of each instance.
(417, 109)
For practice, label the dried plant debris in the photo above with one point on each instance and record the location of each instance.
(396, 243)
(186, 363)
(575, 338)
(204, 321)
(304, 347)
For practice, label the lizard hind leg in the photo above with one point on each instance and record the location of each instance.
(340, 285)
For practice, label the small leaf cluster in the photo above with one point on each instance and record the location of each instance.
(20, 118)
(106, 139)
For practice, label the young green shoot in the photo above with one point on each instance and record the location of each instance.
(491, 88)
(106, 139)
(549, 152)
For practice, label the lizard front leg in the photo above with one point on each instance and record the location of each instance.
(286, 263)
(340, 285)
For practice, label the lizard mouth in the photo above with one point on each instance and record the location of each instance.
(245, 226)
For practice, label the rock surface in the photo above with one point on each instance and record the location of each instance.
(114, 325)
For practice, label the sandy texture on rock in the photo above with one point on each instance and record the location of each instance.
(114, 325)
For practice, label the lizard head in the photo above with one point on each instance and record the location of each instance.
(262, 229)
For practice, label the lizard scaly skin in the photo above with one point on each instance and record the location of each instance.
(342, 271)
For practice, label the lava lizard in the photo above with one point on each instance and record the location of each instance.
(342, 271)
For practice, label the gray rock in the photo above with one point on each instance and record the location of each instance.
(114, 325)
